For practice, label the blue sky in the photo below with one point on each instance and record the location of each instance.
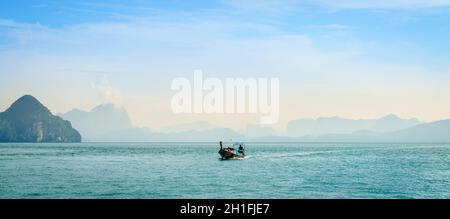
(357, 59)
(423, 27)
(404, 31)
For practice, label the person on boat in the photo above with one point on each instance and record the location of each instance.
(241, 150)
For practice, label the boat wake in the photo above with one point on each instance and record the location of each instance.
(284, 155)
(302, 154)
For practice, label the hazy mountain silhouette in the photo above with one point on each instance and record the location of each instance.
(107, 123)
(28, 120)
(194, 126)
(337, 125)
(255, 131)
(100, 120)
(427, 132)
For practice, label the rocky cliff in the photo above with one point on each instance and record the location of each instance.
(27, 120)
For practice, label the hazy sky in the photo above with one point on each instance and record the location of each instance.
(351, 58)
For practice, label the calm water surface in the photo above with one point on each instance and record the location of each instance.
(193, 170)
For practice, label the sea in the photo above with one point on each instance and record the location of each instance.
(194, 170)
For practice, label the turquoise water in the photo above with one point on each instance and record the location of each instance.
(193, 170)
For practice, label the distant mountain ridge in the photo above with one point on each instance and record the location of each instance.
(100, 120)
(194, 126)
(28, 120)
(436, 132)
(338, 125)
(107, 123)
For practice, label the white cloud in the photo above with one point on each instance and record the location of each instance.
(263, 5)
(106, 92)
(39, 5)
(14, 24)
(381, 4)
(330, 26)
(295, 5)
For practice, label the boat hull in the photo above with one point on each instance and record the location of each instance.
(226, 155)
